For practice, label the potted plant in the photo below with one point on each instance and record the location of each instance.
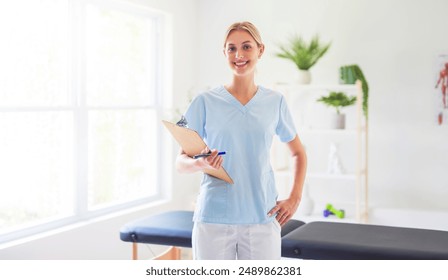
(349, 74)
(303, 54)
(338, 100)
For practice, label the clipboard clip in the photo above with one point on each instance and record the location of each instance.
(182, 122)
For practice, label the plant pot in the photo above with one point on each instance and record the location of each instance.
(306, 206)
(337, 121)
(304, 77)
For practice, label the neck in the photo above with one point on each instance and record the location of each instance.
(242, 87)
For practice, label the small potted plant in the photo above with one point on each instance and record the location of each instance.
(303, 54)
(338, 100)
(349, 74)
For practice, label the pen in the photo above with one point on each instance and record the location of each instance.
(207, 154)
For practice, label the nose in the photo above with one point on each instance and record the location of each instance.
(238, 54)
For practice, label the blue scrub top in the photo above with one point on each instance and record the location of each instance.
(245, 133)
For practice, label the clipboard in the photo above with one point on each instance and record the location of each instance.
(192, 144)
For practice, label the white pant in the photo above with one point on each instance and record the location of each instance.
(230, 242)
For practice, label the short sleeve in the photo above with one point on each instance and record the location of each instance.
(285, 130)
(196, 115)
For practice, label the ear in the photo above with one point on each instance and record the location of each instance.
(260, 50)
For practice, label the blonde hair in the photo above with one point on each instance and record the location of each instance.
(246, 26)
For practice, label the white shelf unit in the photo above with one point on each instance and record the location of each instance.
(347, 189)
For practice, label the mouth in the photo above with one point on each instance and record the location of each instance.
(239, 64)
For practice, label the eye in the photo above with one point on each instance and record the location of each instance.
(247, 47)
(231, 49)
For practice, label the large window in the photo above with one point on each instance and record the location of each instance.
(80, 106)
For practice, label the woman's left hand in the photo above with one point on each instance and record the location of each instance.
(284, 209)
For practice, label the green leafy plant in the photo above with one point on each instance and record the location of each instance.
(349, 74)
(303, 54)
(337, 100)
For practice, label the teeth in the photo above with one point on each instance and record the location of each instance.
(240, 63)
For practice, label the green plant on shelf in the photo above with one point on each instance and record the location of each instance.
(349, 74)
(337, 100)
(303, 54)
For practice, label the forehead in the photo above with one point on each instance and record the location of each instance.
(239, 36)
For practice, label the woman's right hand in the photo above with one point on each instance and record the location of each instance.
(213, 161)
(186, 164)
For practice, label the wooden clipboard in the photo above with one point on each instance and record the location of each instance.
(192, 144)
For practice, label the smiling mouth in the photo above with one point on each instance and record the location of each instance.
(240, 63)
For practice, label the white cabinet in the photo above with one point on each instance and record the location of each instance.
(337, 158)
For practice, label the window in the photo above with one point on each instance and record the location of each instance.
(80, 107)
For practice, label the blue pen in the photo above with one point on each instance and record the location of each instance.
(207, 154)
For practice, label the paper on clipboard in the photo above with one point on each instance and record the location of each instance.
(192, 144)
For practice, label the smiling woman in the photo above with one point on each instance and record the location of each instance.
(242, 220)
(80, 100)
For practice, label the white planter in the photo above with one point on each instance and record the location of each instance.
(304, 77)
(337, 121)
(306, 205)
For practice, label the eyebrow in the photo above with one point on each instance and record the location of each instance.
(245, 42)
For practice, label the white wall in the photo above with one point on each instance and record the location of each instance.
(394, 42)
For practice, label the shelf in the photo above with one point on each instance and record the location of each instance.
(282, 172)
(351, 130)
(314, 121)
(320, 218)
(318, 175)
(327, 131)
(327, 176)
(315, 87)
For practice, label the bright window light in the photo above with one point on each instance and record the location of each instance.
(80, 107)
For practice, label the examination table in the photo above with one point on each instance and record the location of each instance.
(313, 240)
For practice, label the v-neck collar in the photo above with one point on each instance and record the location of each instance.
(232, 100)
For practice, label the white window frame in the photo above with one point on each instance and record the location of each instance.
(162, 102)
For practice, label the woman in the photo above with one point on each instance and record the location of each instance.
(243, 220)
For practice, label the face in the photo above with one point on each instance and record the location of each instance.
(242, 52)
